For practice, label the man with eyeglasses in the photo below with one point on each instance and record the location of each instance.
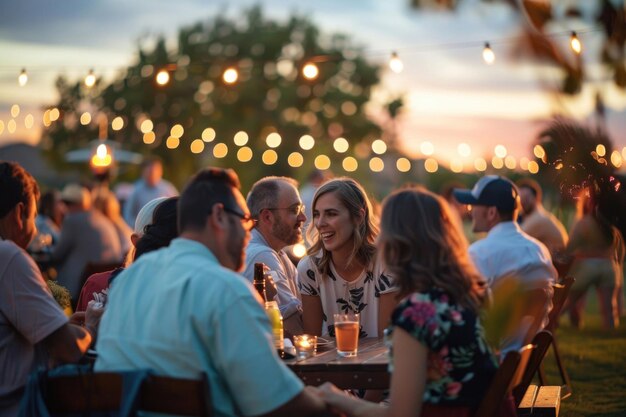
(276, 205)
(184, 309)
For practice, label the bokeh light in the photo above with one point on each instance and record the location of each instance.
(149, 138)
(480, 164)
(269, 157)
(377, 164)
(350, 164)
(427, 148)
(464, 150)
(146, 126)
(322, 162)
(341, 145)
(240, 138)
(117, 123)
(197, 146)
(403, 164)
(177, 131)
(295, 159)
(172, 142)
(431, 165)
(220, 150)
(273, 140)
(307, 142)
(244, 154)
(208, 134)
(500, 151)
(85, 118)
(379, 146)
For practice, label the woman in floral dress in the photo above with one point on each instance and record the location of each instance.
(342, 274)
(440, 362)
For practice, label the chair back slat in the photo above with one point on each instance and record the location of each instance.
(102, 391)
(507, 376)
(541, 341)
(561, 291)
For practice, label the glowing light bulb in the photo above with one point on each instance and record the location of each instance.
(310, 71)
(575, 44)
(22, 79)
(230, 76)
(90, 79)
(162, 77)
(488, 54)
(395, 64)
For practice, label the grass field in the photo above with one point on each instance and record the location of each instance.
(596, 362)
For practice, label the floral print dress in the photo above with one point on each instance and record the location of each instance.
(460, 364)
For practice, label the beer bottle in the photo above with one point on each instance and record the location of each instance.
(259, 280)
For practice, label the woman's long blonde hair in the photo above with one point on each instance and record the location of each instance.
(423, 248)
(353, 197)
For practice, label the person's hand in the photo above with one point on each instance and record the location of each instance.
(78, 318)
(93, 314)
(317, 391)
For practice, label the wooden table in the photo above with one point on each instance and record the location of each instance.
(368, 370)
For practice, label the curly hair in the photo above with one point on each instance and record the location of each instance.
(423, 248)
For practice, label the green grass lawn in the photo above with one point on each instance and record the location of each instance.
(596, 362)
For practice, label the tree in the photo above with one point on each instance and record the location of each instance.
(271, 95)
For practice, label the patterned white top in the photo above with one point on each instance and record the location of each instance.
(340, 296)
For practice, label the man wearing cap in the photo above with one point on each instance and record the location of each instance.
(86, 236)
(508, 252)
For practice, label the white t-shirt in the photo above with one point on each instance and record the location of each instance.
(340, 296)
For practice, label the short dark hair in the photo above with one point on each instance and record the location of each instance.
(206, 188)
(149, 161)
(16, 186)
(531, 185)
(264, 193)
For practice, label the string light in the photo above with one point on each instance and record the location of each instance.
(574, 42)
(22, 79)
(90, 79)
(395, 63)
(310, 71)
(230, 76)
(488, 54)
(162, 77)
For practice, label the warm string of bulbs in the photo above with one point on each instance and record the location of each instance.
(309, 70)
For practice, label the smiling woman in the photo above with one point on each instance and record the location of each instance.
(342, 274)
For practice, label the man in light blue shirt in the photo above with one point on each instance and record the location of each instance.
(183, 310)
(275, 204)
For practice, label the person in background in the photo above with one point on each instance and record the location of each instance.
(106, 203)
(342, 273)
(598, 251)
(537, 221)
(275, 204)
(508, 255)
(86, 237)
(192, 312)
(156, 222)
(150, 186)
(440, 362)
(34, 331)
(50, 215)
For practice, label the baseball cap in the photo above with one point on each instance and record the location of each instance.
(75, 194)
(144, 217)
(490, 190)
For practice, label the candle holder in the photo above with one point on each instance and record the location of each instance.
(306, 345)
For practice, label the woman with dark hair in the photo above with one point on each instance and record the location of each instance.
(598, 251)
(156, 234)
(440, 363)
(342, 274)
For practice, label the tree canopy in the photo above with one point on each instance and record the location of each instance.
(271, 95)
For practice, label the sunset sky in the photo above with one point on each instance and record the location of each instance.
(452, 97)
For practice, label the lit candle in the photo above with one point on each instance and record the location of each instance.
(306, 345)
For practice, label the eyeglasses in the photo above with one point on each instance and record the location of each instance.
(296, 210)
(246, 220)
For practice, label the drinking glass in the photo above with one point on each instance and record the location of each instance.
(347, 333)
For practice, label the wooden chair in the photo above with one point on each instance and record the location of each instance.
(509, 375)
(541, 341)
(102, 392)
(561, 292)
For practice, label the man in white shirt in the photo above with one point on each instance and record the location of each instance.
(508, 252)
(276, 205)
